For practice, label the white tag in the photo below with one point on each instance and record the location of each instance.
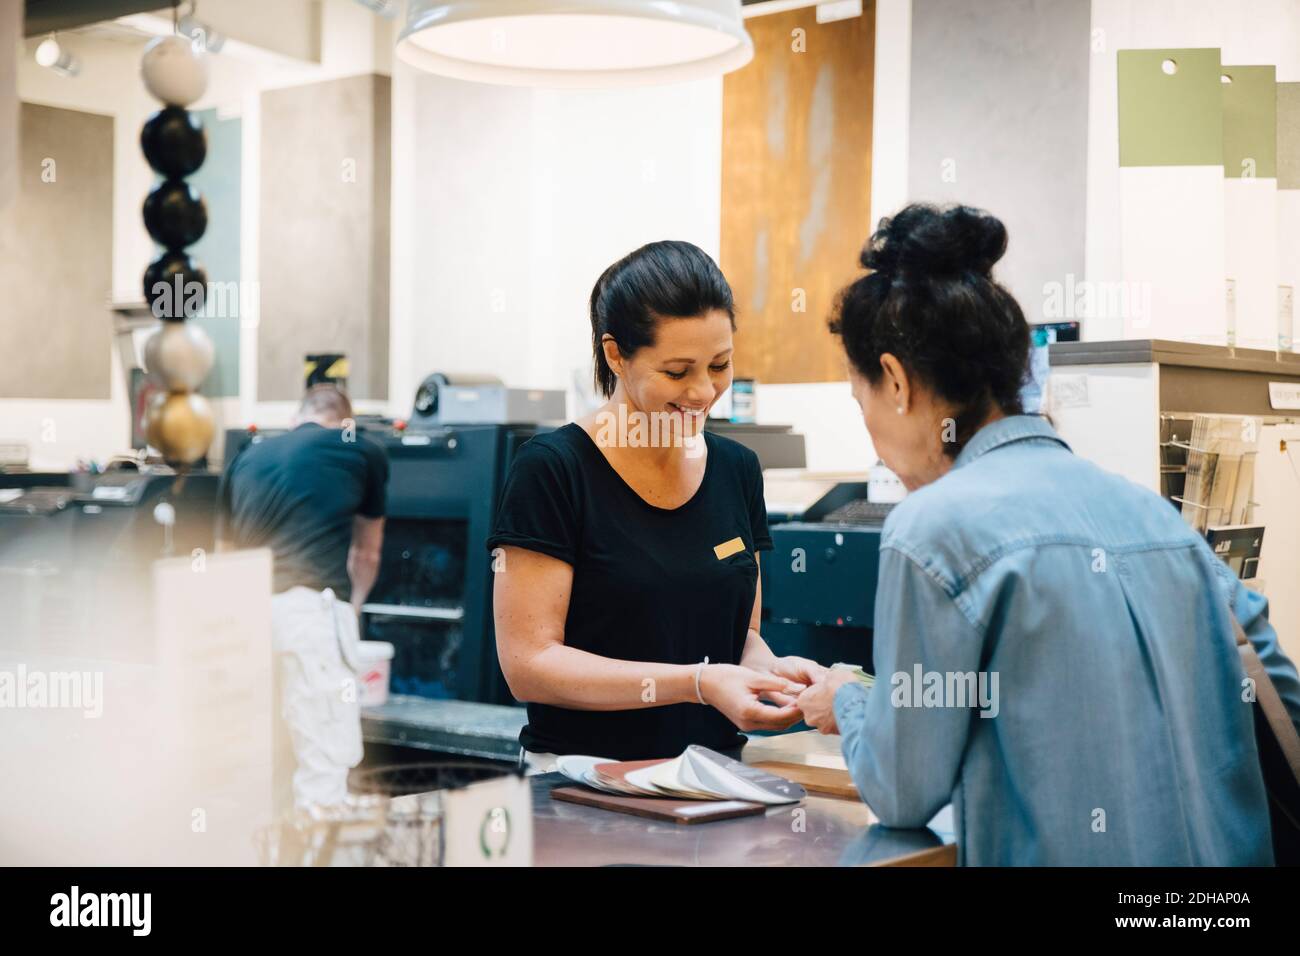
(489, 823)
(1284, 394)
(1069, 391)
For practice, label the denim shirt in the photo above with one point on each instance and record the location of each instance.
(1053, 655)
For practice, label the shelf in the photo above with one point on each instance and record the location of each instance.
(405, 610)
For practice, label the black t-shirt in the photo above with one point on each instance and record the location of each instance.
(648, 584)
(297, 495)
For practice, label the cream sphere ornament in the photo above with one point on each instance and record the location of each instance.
(173, 71)
(180, 425)
(179, 356)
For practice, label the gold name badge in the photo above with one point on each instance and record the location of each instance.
(728, 548)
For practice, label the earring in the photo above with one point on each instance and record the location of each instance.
(900, 409)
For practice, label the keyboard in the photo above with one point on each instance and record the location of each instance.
(860, 511)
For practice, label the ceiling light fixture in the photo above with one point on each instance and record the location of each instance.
(54, 57)
(385, 8)
(575, 43)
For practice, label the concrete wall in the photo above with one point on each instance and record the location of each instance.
(324, 233)
(999, 119)
(56, 244)
(510, 202)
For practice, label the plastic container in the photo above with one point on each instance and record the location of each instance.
(375, 665)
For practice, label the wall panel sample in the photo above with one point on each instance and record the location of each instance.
(324, 233)
(218, 181)
(1171, 193)
(1288, 192)
(1250, 200)
(56, 258)
(796, 187)
(999, 120)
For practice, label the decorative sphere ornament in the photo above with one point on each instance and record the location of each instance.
(175, 214)
(173, 142)
(179, 356)
(169, 299)
(180, 425)
(174, 73)
(164, 512)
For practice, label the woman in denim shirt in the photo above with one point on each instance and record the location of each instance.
(1053, 648)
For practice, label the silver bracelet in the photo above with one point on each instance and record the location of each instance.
(698, 671)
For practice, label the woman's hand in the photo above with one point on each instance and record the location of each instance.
(799, 670)
(738, 692)
(817, 702)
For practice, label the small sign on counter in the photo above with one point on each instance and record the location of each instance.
(1284, 395)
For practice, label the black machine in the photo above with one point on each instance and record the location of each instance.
(432, 599)
(819, 581)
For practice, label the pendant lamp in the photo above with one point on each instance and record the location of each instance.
(575, 43)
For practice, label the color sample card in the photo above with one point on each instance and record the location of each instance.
(1172, 248)
(1170, 107)
(1250, 225)
(1249, 122)
(1288, 195)
(1288, 136)
(1250, 199)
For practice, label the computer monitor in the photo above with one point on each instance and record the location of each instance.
(1043, 336)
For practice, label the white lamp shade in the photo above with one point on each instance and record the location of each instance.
(575, 43)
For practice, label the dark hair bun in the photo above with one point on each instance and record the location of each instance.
(928, 240)
(930, 301)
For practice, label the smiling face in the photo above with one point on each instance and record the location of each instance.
(682, 373)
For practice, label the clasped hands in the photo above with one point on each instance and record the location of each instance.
(794, 688)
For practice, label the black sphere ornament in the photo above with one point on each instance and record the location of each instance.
(175, 286)
(174, 142)
(175, 214)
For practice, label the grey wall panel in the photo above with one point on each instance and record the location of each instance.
(999, 119)
(219, 181)
(56, 258)
(381, 231)
(324, 202)
(11, 23)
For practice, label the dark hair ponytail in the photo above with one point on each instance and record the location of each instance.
(670, 279)
(931, 301)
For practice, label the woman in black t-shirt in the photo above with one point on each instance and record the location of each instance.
(626, 545)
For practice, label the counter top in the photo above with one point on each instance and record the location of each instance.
(818, 831)
(1169, 352)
